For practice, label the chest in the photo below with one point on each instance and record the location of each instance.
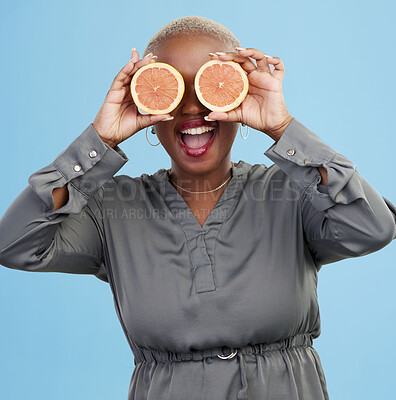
(168, 273)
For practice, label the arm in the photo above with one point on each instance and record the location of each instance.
(346, 218)
(54, 225)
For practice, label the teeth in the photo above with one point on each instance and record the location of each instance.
(197, 131)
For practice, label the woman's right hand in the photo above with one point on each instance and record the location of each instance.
(119, 118)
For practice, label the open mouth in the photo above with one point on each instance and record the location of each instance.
(197, 137)
(196, 141)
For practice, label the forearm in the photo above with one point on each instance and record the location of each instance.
(61, 194)
(343, 216)
(53, 224)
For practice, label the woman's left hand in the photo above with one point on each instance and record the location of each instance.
(264, 106)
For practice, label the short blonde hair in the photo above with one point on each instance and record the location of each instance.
(192, 24)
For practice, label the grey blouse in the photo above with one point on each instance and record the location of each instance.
(224, 311)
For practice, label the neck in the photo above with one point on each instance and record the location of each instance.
(201, 181)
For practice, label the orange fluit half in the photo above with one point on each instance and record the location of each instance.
(157, 88)
(221, 85)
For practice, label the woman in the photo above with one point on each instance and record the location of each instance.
(213, 264)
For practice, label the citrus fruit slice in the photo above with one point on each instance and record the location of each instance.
(157, 88)
(221, 85)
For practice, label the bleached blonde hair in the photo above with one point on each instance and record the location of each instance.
(189, 25)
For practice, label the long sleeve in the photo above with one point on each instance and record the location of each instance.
(346, 218)
(34, 237)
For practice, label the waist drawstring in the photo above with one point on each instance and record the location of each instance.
(142, 354)
(242, 393)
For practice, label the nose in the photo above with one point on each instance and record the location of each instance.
(190, 103)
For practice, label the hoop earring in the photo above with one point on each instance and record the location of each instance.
(240, 131)
(149, 140)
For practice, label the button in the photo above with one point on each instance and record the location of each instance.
(93, 153)
(290, 152)
(77, 168)
(307, 161)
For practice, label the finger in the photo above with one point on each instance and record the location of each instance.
(145, 120)
(234, 115)
(247, 64)
(259, 56)
(120, 95)
(125, 72)
(124, 77)
(117, 93)
(279, 71)
(134, 51)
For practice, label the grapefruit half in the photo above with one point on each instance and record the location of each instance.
(221, 85)
(157, 88)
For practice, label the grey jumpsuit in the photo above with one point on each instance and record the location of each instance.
(224, 311)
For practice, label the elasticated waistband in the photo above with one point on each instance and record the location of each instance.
(225, 353)
(142, 354)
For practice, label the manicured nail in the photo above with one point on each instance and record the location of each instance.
(206, 118)
(268, 56)
(149, 54)
(220, 53)
(240, 48)
(167, 119)
(213, 54)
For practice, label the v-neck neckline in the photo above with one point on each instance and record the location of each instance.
(183, 213)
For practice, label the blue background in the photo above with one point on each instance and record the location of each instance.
(59, 335)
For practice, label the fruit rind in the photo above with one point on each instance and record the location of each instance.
(177, 100)
(227, 107)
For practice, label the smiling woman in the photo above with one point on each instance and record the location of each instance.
(214, 308)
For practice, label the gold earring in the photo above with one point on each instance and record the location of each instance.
(149, 141)
(240, 131)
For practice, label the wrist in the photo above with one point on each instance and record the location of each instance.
(108, 142)
(278, 131)
(105, 140)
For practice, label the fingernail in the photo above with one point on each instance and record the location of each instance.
(240, 48)
(167, 119)
(213, 54)
(206, 118)
(133, 49)
(220, 53)
(268, 56)
(149, 54)
(154, 57)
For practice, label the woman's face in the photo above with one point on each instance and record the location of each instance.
(187, 53)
